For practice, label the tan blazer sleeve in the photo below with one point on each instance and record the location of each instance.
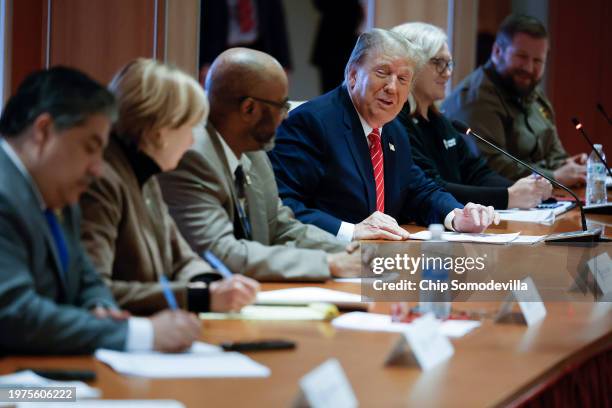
(133, 285)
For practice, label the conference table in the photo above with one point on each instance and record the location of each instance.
(494, 365)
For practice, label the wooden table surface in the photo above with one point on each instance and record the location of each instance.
(496, 364)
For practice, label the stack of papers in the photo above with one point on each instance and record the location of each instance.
(512, 238)
(28, 378)
(314, 311)
(381, 322)
(310, 294)
(535, 215)
(202, 361)
(468, 237)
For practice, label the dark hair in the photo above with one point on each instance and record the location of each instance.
(68, 95)
(519, 23)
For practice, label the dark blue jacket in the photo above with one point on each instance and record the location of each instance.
(324, 172)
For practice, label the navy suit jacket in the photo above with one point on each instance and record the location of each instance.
(324, 172)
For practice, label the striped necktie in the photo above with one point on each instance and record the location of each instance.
(379, 168)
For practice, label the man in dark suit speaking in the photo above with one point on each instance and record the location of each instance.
(343, 163)
(52, 301)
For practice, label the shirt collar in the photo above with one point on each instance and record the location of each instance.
(14, 157)
(232, 161)
(367, 129)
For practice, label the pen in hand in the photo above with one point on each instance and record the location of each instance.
(163, 281)
(217, 264)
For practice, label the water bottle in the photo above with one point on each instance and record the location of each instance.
(596, 178)
(433, 301)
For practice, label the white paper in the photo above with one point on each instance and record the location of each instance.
(382, 322)
(327, 387)
(203, 361)
(468, 237)
(429, 346)
(106, 403)
(540, 216)
(306, 295)
(28, 378)
(528, 239)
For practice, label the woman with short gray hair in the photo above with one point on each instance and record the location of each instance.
(438, 148)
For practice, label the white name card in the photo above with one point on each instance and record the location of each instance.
(326, 387)
(422, 344)
(530, 303)
(601, 269)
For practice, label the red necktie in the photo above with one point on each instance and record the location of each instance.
(245, 15)
(379, 168)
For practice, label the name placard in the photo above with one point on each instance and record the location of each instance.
(326, 387)
(421, 344)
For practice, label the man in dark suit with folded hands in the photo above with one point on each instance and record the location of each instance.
(52, 301)
(342, 162)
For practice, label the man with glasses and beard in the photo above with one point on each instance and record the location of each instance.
(223, 195)
(503, 102)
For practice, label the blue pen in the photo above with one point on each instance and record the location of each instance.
(168, 292)
(217, 264)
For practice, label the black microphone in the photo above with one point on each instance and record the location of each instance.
(580, 129)
(586, 234)
(601, 109)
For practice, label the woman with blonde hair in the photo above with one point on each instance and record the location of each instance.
(439, 149)
(126, 227)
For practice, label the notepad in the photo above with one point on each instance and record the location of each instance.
(314, 311)
(308, 295)
(202, 361)
(381, 322)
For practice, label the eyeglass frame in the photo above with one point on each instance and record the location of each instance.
(437, 63)
(285, 106)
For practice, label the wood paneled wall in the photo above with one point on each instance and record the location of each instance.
(100, 36)
(579, 69)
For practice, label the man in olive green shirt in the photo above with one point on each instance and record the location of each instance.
(502, 102)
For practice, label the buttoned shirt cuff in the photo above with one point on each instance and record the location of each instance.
(140, 334)
(345, 233)
(448, 221)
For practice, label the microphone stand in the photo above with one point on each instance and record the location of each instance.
(586, 234)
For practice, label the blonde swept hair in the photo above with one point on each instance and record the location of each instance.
(152, 95)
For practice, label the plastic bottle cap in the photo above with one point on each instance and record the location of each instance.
(436, 231)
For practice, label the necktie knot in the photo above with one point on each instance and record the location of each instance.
(374, 137)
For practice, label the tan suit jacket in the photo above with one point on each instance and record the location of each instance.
(132, 239)
(201, 195)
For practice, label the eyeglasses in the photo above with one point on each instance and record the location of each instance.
(442, 65)
(283, 106)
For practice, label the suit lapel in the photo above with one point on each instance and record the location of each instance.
(358, 147)
(256, 203)
(228, 179)
(390, 162)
